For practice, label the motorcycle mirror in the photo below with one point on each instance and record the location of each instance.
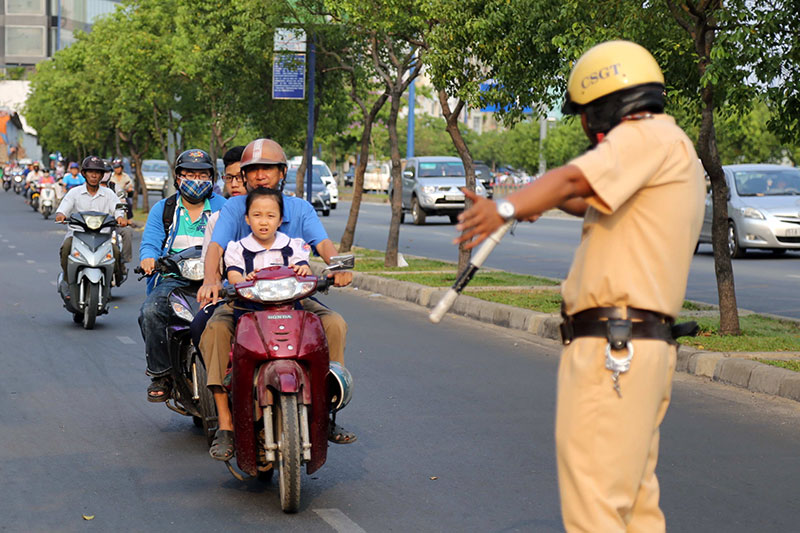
(342, 262)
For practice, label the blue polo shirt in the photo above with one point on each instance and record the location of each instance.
(300, 221)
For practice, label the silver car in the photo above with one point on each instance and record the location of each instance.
(763, 209)
(432, 186)
(155, 173)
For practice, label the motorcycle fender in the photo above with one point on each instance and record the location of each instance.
(94, 275)
(283, 375)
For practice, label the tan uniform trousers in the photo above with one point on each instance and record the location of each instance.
(217, 338)
(607, 446)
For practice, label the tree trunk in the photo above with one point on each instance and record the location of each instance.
(451, 117)
(392, 243)
(707, 150)
(358, 179)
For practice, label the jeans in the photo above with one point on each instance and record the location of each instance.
(153, 319)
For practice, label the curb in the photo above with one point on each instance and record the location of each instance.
(718, 366)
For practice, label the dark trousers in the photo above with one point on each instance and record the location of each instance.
(153, 318)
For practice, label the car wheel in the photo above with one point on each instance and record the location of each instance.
(326, 212)
(734, 249)
(417, 214)
(454, 219)
(402, 217)
(333, 206)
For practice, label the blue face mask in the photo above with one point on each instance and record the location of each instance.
(195, 191)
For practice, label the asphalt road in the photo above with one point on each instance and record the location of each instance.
(764, 282)
(455, 426)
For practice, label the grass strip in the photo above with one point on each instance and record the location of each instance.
(541, 301)
(759, 334)
(791, 364)
(481, 279)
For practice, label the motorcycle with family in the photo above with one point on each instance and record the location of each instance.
(235, 334)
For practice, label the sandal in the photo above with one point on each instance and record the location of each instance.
(222, 447)
(339, 435)
(159, 390)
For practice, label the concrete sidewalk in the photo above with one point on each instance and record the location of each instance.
(734, 368)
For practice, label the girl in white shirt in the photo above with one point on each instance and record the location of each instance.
(265, 245)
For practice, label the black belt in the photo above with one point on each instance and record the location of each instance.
(607, 322)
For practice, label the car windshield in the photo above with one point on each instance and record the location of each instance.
(440, 169)
(322, 170)
(291, 177)
(767, 182)
(154, 166)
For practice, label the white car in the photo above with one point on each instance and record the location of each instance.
(321, 170)
(376, 177)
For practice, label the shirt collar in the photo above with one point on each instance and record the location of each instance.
(252, 245)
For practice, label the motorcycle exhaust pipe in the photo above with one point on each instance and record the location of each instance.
(269, 435)
(464, 278)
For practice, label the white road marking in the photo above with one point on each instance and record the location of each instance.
(30, 261)
(11, 246)
(5, 240)
(793, 276)
(339, 521)
(20, 253)
(41, 271)
(126, 340)
(54, 284)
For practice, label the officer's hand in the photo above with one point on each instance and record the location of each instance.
(477, 222)
(148, 265)
(209, 292)
(122, 222)
(60, 217)
(341, 279)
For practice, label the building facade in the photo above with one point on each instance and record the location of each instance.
(33, 30)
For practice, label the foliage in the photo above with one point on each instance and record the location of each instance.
(759, 334)
(790, 364)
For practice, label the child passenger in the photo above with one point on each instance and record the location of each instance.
(265, 245)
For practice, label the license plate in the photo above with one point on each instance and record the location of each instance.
(454, 197)
(793, 232)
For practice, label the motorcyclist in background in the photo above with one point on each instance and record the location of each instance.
(73, 178)
(90, 197)
(122, 181)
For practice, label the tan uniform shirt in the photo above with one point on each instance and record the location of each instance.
(641, 229)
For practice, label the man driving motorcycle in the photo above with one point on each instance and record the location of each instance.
(263, 164)
(174, 224)
(90, 197)
(121, 181)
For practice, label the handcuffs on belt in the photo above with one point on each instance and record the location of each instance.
(619, 333)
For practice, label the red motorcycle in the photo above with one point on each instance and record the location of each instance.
(283, 386)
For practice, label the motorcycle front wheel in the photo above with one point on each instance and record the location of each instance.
(92, 303)
(289, 454)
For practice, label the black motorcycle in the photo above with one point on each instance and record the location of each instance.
(189, 395)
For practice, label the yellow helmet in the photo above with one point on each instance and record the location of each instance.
(611, 80)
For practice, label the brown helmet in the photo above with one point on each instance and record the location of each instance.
(263, 152)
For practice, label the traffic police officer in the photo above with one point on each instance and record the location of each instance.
(640, 189)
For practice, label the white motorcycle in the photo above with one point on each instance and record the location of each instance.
(90, 267)
(47, 199)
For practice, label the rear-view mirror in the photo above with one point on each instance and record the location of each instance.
(342, 262)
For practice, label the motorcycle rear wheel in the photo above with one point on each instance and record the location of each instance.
(206, 405)
(289, 454)
(92, 303)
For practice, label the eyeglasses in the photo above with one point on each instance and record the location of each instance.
(200, 175)
(230, 178)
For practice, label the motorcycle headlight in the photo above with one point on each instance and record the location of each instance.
(94, 221)
(429, 189)
(751, 212)
(182, 312)
(191, 269)
(277, 290)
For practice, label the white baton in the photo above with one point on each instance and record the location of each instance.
(464, 278)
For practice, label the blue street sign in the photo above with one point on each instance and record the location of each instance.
(289, 76)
